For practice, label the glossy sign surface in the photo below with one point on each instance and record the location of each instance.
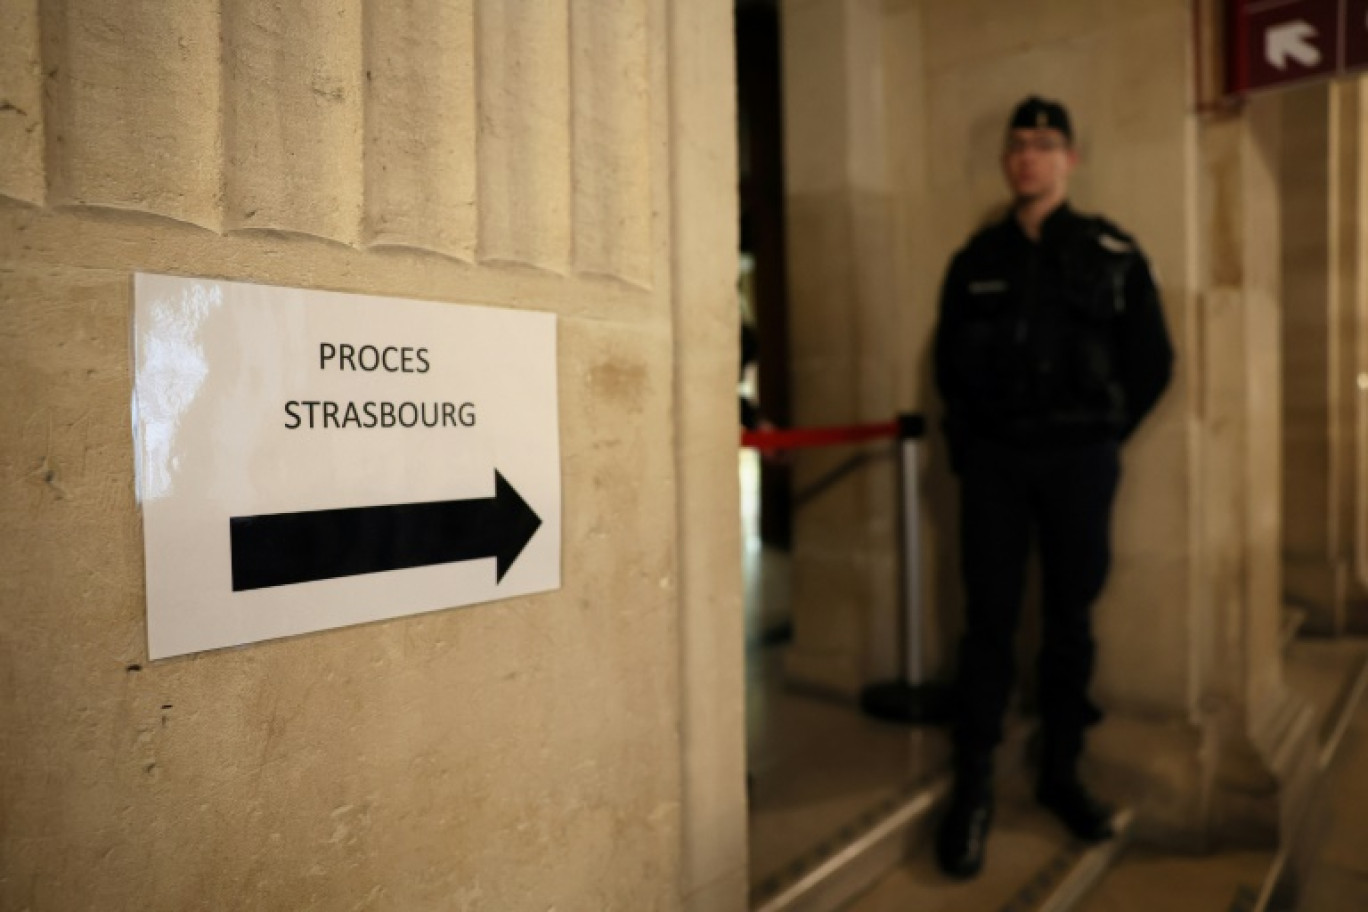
(311, 459)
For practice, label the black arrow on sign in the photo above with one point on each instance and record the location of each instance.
(280, 549)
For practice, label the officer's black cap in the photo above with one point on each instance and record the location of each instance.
(1038, 113)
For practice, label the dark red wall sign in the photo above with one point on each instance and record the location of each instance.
(1355, 33)
(1275, 42)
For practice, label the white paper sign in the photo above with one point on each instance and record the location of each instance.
(312, 459)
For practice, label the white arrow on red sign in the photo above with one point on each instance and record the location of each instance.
(1291, 40)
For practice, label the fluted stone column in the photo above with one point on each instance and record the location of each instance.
(580, 749)
(1323, 212)
(1348, 327)
(1259, 760)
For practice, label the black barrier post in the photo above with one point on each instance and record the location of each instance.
(912, 699)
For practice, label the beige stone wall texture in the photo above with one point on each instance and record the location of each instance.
(524, 754)
(1360, 352)
(704, 244)
(1347, 368)
(1239, 600)
(1324, 294)
(1309, 349)
(843, 300)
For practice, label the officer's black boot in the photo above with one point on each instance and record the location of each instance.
(1060, 791)
(963, 833)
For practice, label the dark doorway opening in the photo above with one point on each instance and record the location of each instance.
(760, 144)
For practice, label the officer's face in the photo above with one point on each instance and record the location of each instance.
(1037, 163)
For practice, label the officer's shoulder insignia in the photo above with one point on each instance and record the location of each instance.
(1114, 242)
(1110, 237)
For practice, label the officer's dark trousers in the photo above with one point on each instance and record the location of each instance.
(1063, 497)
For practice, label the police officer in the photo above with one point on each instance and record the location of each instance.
(1050, 349)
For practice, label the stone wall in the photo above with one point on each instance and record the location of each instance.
(528, 753)
(1321, 186)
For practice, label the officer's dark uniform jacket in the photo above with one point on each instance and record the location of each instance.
(1056, 342)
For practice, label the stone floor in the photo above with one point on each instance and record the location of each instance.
(1028, 856)
(818, 767)
(1336, 878)
(1145, 880)
(1331, 875)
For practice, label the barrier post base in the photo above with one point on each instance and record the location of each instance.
(911, 704)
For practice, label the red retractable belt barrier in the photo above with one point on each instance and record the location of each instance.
(795, 438)
(910, 698)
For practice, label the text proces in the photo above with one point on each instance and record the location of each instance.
(392, 358)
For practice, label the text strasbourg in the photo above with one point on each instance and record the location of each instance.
(326, 414)
(322, 413)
